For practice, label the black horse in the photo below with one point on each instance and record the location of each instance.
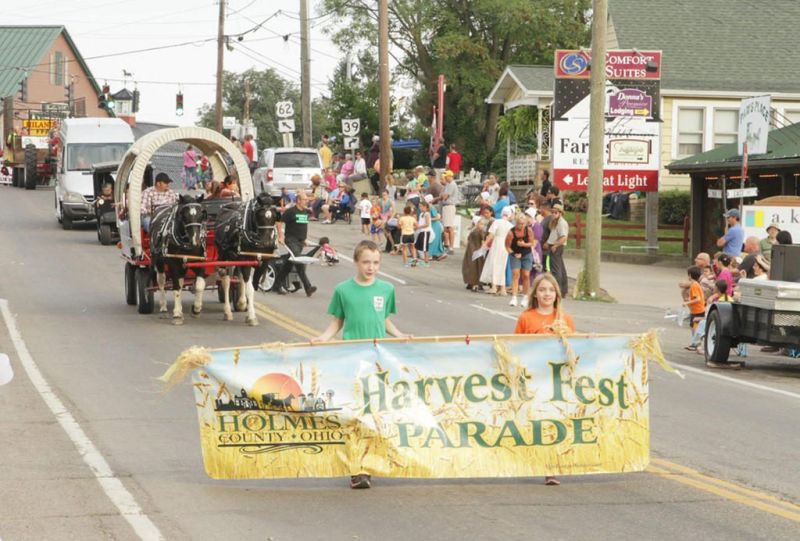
(178, 235)
(245, 233)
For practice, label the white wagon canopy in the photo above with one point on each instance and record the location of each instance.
(131, 173)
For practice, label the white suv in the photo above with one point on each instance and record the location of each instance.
(290, 168)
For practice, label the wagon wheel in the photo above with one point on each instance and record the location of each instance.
(145, 297)
(130, 284)
(717, 345)
(105, 234)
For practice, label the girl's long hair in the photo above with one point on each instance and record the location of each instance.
(533, 302)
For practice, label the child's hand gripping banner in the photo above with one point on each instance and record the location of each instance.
(516, 405)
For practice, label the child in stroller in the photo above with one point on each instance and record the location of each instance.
(327, 254)
(345, 207)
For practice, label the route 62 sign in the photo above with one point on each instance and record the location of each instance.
(351, 127)
(284, 109)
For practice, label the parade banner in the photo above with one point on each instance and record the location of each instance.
(516, 405)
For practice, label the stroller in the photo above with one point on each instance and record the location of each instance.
(327, 254)
(344, 210)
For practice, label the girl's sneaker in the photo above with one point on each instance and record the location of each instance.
(423, 264)
(513, 301)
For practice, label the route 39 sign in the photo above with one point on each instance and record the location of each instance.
(284, 109)
(351, 127)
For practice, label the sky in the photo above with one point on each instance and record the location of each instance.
(103, 27)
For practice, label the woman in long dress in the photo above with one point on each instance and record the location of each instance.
(436, 247)
(471, 269)
(494, 270)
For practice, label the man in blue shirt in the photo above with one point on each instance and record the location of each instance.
(731, 243)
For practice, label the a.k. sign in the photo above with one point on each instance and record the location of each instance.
(758, 218)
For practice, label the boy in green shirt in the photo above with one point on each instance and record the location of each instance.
(362, 306)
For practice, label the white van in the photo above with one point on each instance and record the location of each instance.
(290, 168)
(85, 142)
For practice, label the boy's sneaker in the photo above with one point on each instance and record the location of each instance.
(513, 301)
(362, 480)
(423, 264)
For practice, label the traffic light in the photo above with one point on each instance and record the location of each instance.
(23, 89)
(135, 104)
(69, 89)
(179, 104)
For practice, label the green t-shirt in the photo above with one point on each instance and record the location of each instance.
(364, 309)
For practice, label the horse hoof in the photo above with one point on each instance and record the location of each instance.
(252, 322)
(227, 317)
(177, 321)
(195, 314)
(163, 315)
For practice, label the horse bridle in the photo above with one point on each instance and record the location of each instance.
(197, 207)
(248, 210)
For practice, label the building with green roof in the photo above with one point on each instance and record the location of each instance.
(774, 175)
(715, 52)
(56, 77)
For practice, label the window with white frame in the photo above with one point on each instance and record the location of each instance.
(690, 131)
(726, 126)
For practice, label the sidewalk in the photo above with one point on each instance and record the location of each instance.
(642, 285)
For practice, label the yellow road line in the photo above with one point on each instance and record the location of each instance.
(280, 322)
(725, 489)
(663, 468)
(271, 315)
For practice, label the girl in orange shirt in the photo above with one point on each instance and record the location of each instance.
(544, 316)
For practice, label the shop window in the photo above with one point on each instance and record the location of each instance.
(726, 126)
(690, 132)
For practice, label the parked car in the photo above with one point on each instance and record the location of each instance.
(290, 168)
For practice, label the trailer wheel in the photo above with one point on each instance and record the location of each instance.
(105, 234)
(267, 279)
(130, 284)
(717, 345)
(30, 167)
(145, 298)
(16, 177)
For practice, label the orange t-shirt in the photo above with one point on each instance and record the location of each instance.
(696, 292)
(532, 322)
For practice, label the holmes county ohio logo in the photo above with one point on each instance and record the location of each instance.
(574, 63)
(276, 415)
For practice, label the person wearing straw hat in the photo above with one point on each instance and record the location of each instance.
(556, 242)
(361, 307)
(770, 240)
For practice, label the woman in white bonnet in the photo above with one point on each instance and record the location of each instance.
(494, 270)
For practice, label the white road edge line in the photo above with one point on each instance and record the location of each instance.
(696, 370)
(387, 275)
(688, 368)
(111, 485)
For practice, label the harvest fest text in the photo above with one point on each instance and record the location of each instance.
(492, 406)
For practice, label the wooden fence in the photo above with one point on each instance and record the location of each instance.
(581, 226)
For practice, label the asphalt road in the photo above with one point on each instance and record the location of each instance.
(725, 446)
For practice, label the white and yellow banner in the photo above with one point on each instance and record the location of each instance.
(515, 405)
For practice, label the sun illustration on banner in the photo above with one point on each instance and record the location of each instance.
(277, 391)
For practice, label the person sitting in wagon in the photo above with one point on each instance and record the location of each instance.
(105, 201)
(156, 196)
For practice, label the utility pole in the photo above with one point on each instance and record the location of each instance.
(383, 81)
(305, 78)
(246, 109)
(597, 125)
(220, 48)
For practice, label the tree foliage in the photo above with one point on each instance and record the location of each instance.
(471, 43)
(266, 89)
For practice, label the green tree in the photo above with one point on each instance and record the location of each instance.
(266, 89)
(471, 43)
(354, 95)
